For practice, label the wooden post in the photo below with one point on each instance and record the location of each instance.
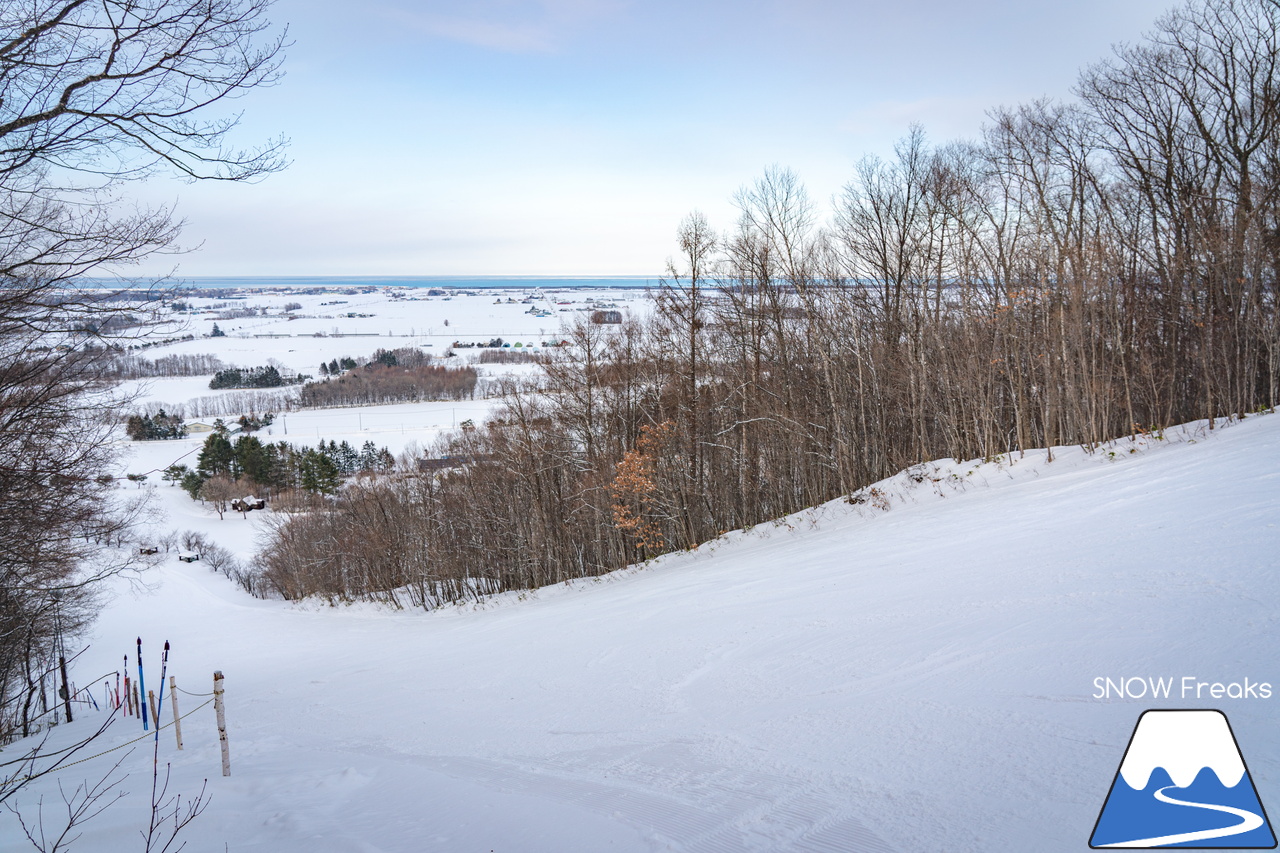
(177, 721)
(222, 723)
(137, 703)
(66, 691)
(151, 703)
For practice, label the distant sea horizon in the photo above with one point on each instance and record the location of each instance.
(458, 282)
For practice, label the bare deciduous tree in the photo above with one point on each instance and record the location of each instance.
(1080, 273)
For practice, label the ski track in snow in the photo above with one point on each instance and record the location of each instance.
(732, 812)
(846, 679)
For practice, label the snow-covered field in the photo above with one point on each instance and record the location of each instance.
(321, 329)
(920, 678)
(395, 427)
(320, 332)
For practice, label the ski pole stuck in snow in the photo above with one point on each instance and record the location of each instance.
(142, 685)
(155, 709)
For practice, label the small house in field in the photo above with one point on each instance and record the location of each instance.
(188, 556)
(148, 550)
(430, 466)
(202, 427)
(247, 504)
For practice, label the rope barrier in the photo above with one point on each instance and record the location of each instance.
(189, 693)
(114, 748)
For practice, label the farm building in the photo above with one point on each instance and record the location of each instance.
(201, 427)
(427, 466)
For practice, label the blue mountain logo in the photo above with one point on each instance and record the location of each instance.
(1183, 783)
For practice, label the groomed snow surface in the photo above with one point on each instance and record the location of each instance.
(917, 678)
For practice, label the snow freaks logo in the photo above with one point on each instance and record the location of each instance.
(1183, 783)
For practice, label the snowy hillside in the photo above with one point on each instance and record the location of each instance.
(916, 678)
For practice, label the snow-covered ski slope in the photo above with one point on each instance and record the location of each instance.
(919, 678)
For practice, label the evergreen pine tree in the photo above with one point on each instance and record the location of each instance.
(191, 483)
(347, 458)
(174, 473)
(251, 460)
(318, 473)
(216, 456)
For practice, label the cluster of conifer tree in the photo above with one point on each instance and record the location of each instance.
(253, 377)
(228, 469)
(334, 367)
(155, 427)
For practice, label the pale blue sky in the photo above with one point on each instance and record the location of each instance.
(566, 137)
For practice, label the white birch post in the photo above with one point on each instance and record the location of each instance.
(222, 723)
(177, 721)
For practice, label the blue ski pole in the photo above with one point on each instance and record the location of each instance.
(142, 687)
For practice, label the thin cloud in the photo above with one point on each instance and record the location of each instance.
(511, 26)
